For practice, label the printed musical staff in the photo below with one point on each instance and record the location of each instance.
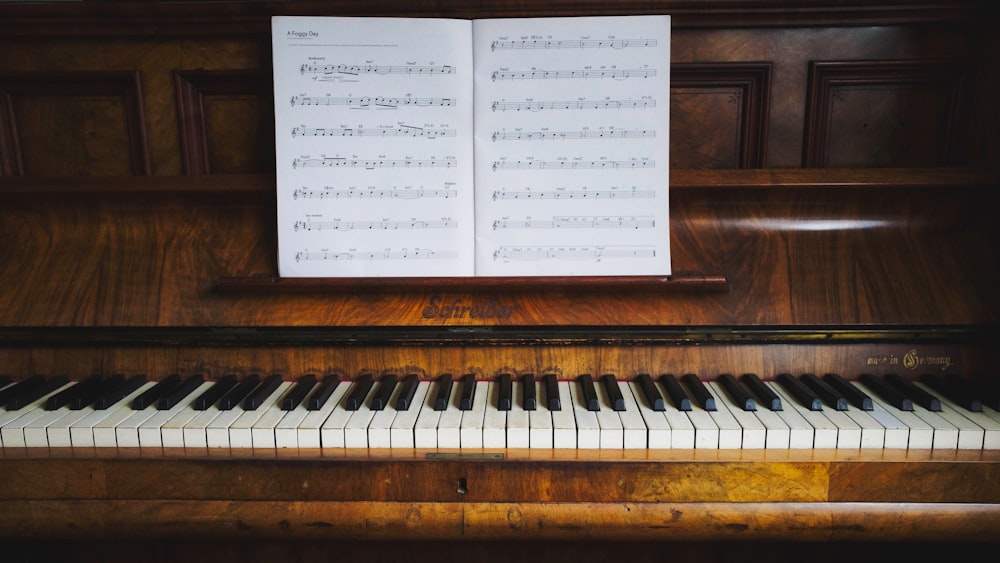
(572, 164)
(569, 222)
(401, 131)
(371, 256)
(383, 225)
(376, 69)
(368, 102)
(373, 193)
(616, 74)
(572, 44)
(564, 135)
(590, 253)
(340, 162)
(578, 104)
(581, 194)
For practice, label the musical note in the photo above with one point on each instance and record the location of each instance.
(367, 102)
(563, 193)
(616, 74)
(568, 222)
(571, 164)
(355, 255)
(573, 44)
(591, 253)
(382, 225)
(401, 131)
(340, 162)
(602, 104)
(373, 193)
(563, 135)
(375, 69)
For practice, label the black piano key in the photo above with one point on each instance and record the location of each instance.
(887, 392)
(443, 392)
(552, 399)
(614, 392)
(678, 396)
(239, 392)
(827, 394)
(255, 399)
(113, 396)
(48, 385)
(356, 397)
(914, 393)
(322, 393)
(650, 392)
(5, 380)
(804, 395)
(854, 396)
(386, 385)
(700, 392)
(407, 392)
(214, 393)
(177, 394)
(765, 395)
(954, 389)
(468, 392)
(739, 392)
(63, 397)
(298, 392)
(590, 400)
(529, 395)
(88, 396)
(506, 398)
(23, 386)
(153, 394)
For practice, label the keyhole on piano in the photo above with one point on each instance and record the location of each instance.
(463, 487)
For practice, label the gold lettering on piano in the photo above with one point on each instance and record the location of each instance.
(911, 360)
(458, 309)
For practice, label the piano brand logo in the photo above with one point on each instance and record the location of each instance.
(457, 309)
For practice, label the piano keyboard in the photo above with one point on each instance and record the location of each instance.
(507, 412)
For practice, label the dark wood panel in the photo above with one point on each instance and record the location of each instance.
(226, 121)
(72, 124)
(888, 113)
(718, 115)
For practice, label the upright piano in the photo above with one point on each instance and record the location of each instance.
(832, 228)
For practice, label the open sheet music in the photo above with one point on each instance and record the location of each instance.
(498, 147)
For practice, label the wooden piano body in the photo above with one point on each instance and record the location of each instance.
(831, 171)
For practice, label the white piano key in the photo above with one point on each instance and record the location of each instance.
(634, 430)
(308, 433)
(657, 427)
(754, 435)
(380, 427)
(98, 428)
(495, 420)
(151, 429)
(588, 429)
(540, 427)
(977, 430)
(824, 432)
(612, 432)
(564, 426)
(356, 428)
(425, 431)
(332, 432)
(449, 428)
(262, 433)
(471, 429)
(402, 433)
(518, 420)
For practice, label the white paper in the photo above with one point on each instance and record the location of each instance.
(375, 145)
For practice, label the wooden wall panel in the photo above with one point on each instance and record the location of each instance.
(718, 115)
(83, 123)
(887, 114)
(226, 121)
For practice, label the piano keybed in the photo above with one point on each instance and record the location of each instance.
(506, 412)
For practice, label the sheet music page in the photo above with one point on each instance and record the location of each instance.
(572, 118)
(373, 126)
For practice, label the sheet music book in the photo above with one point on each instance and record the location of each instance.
(494, 147)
